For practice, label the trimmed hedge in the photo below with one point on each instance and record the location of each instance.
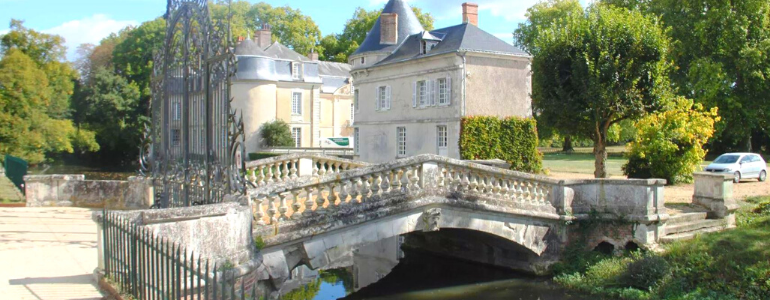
(512, 139)
(262, 155)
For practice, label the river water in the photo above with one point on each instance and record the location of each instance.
(382, 271)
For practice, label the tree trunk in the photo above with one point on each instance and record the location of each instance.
(600, 154)
(567, 146)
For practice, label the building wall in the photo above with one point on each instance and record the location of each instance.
(266, 101)
(377, 129)
(257, 102)
(498, 86)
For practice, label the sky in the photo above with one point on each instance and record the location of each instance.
(88, 21)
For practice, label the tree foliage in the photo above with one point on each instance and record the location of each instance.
(598, 69)
(669, 144)
(337, 47)
(276, 134)
(722, 53)
(543, 16)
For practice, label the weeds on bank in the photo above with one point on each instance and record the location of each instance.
(734, 264)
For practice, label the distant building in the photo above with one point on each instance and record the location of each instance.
(413, 86)
(275, 82)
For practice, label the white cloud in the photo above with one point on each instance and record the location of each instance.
(87, 30)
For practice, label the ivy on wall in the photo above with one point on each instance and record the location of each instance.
(512, 139)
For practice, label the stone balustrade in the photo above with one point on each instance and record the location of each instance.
(419, 175)
(293, 166)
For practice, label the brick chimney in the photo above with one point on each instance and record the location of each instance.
(313, 55)
(388, 28)
(264, 36)
(471, 13)
(241, 39)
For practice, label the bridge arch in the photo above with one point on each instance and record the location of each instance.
(538, 237)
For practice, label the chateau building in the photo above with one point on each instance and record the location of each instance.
(413, 87)
(273, 82)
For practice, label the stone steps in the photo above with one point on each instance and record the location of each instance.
(688, 235)
(694, 225)
(686, 217)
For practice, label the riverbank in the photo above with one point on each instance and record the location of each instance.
(733, 264)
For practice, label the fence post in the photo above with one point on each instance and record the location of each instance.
(133, 272)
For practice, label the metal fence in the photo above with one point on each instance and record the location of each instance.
(15, 170)
(146, 266)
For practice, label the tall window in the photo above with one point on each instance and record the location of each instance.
(296, 134)
(355, 99)
(422, 93)
(401, 141)
(177, 111)
(383, 98)
(442, 137)
(352, 113)
(176, 137)
(295, 70)
(443, 91)
(296, 104)
(356, 142)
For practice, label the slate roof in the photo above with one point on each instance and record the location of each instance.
(249, 47)
(408, 24)
(328, 68)
(463, 37)
(280, 51)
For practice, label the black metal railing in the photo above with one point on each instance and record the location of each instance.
(146, 266)
(15, 169)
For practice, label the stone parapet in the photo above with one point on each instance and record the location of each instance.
(715, 192)
(76, 191)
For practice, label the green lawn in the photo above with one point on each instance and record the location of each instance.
(582, 161)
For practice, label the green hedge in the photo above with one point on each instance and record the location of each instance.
(262, 155)
(513, 140)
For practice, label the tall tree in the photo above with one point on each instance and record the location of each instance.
(598, 69)
(133, 56)
(541, 17)
(721, 50)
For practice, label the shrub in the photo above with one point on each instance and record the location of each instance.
(646, 271)
(262, 155)
(669, 144)
(277, 134)
(513, 140)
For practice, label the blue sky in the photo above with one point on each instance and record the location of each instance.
(88, 21)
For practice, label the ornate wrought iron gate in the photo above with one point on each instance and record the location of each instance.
(193, 148)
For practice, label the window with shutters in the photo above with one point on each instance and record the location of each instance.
(442, 137)
(352, 114)
(383, 98)
(422, 93)
(296, 134)
(443, 91)
(401, 141)
(296, 104)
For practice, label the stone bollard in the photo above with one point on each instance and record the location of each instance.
(715, 192)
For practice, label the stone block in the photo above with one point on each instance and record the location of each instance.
(715, 192)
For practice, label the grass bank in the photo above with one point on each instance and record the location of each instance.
(734, 264)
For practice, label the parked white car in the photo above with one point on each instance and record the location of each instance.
(741, 165)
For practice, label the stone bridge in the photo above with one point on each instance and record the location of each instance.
(314, 210)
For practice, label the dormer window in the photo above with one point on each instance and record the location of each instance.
(424, 47)
(295, 70)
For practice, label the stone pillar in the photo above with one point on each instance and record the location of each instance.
(99, 271)
(715, 192)
(561, 198)
(305, 167)
(430, 175)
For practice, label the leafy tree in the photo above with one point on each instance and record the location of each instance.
(541, 17)
(277, 134)
(669, 144)
(721, 50)
(339, 47)
(26, 129)
(133, 56)
(110, 107)
(598, 69)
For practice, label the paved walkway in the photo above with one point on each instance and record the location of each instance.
(47, 253)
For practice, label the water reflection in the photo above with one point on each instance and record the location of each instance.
(382, 271)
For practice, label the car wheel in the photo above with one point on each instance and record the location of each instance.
(737, 178)
(762, 176)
